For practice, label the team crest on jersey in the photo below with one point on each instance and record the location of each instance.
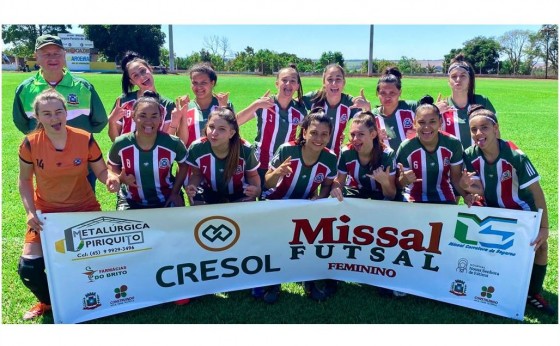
(506, 175)
(407, 123)
(295, 121)
(343, 118)
(77, 162)
(238, 170)
(446, 161)
(319, 178)
(164, 163)
(72, 99)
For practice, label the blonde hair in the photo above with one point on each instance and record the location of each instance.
(46, 96)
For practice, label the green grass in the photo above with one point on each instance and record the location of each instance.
(528, 113)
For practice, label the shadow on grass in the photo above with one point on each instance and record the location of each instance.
(352, 304)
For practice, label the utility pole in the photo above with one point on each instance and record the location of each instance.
(370, 59)
(171, 53)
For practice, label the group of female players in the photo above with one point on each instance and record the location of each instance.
(424, 152)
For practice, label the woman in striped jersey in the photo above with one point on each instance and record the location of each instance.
(430, 163)
(138, 73)
(224, 166)
(339, 107)
(506, 178)
(144, 160)
(454, 108)
(394, 117)
(194, 114)
(366, 167)
(304, 169)
(278, 116)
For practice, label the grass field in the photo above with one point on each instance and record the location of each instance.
(528, 114)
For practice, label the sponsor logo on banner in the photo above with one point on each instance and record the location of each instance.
(98, 274)
(217, 233)
(462, 265)
(103, 236)
(485, 297)
(121, 296)
(91, 301)
(491, 234)
(337, 234)
(459, 288)
(214, 234)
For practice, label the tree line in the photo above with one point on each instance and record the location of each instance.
(521, 51)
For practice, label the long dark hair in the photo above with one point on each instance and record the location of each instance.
(317, 114)
(427, 102)
(321, 98)
(206, 68)
(232, 158)
(460, 62)
(128, 58)
(391, 75)
(300, 89)
(368, 119)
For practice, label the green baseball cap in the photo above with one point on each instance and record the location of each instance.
(45, 40)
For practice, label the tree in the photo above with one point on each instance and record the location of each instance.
(514, 43)
(547, 39)
(164, 56)
(114, 40)
(217, 45)
(23, 36)
(409, 65)
(448, 57)
(482, 53)
(329, 57)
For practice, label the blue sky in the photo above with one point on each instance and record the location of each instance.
(391, 42)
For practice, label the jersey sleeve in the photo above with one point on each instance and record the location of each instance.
(388, 160)
(457, 157)
(113, 157)
(526, 172)
(251, 161)
(278, 158)
(22, 122)
(193, 154)
(180, 151)
(25, 151)
(401, 156)
(94, 154)
(342, 160)
(98, 115)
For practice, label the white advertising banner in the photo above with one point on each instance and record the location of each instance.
(77, 62)
(75, 41)
(104, 263)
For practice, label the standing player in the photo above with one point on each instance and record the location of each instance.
(339, 107)
(138, 73)
(223, 162)
(58, 157)
(85, 109)
(507, 179)
(194, 114)
(430, 163)
(394, 117)
(454, 109)
(304, 169)
(278, 117)
(145, 157)
(366, 167)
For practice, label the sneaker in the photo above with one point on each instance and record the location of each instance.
(37, 310)
(314, 292)
(331, 286)
(399, 294)
(537, 301)
(271, 294)
(183, 301)
(257, 292)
